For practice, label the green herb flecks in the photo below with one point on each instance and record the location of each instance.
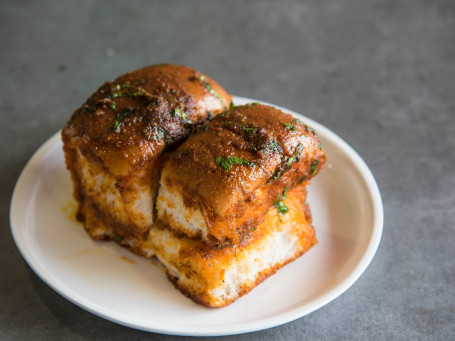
(156, 133)
(307, 128)
(289, 126)
(180, 113)
(119, 121)
(112, 105)
(273, 146)
(251, 129)
(232, 160)
(87, 108)
(117, 92)
(210, 116)
(118, 238)
(320, 146)
(169, 140)
(314, 166)
(288, 161)
(160, 132)
(202, 127)
(232, 105)
(211, 91)
(119, 87)
(117, 125)
(282, 208)
(297, 120)
(298, 150)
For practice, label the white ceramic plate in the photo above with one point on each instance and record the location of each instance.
(111, 282)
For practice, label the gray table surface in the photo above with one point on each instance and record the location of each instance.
(381, 74)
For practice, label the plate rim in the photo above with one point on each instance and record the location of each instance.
(233, 329)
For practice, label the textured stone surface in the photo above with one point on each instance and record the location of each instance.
(381, 74)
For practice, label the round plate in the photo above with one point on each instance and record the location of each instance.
(113, 283)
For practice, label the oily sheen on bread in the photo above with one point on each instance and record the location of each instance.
(163, 163)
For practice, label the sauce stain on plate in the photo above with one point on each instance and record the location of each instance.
(71, 209)
(126, 259)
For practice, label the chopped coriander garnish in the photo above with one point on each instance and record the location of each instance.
(314, 167)
(118, 238)
(116, 92)
(179, 113)
(211, 91)
(232, 160)
(117, 125)
(160, 133)
(297, 120)
(232, 105)
(112, 106)
(86, 108)
(242, 126)
(320, 146)
(119, 87)
(289, 162)
(282, 208)
(277, 176)
(299, 149)
(289, 126)
(274, 146)
(169, 140)
(285, 192)
(210, 115)
(157, 133)
(119, 121)
(202, 127)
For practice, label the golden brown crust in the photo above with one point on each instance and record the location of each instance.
(276, 151)
(129, 122)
